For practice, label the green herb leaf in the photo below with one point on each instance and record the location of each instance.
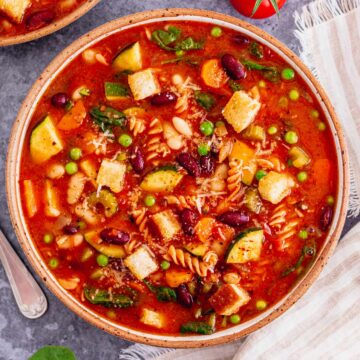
(189, 44)
(207, 101)
(164, 38)
(307, 250)
(123, 74)
(235, 86)
(197, 327)
(256, 50)
(53, 353)
(84, 92)
(102, 297)
(270, 73)
(107, 118)
(163, 293)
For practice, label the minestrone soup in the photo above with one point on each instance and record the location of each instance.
(178, 178)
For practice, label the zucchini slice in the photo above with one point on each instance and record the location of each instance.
(197, 250)
(45, 141)
(110, 250)
(129, 58)
(115, 91)
(245, 247)
(161, 180)
(107, 199)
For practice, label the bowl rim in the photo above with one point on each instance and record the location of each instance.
(19, 130)
(51, 28)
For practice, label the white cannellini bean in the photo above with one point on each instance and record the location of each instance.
(69, 241)
(177, 79)
(182, 126)
(175, 143)
(76, 94)
(89, 56)
(75, 187)
(55, 171)
(69, 284)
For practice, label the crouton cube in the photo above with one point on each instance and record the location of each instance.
(274, 187)
(152, 318)
(167, 224)
(141, 263)
(228, 299)
(143, 84)
(241, 110)
(111, 174)
(15, 9)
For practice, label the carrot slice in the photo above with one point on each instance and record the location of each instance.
(74, 118)
(213, 74)
(30, 198)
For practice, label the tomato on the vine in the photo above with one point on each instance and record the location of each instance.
(265, 8)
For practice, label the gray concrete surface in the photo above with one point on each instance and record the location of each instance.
(19, 67)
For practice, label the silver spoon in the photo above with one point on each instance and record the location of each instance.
(28, 295)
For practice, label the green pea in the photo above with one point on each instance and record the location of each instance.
(314, 113)
(291, 137)
(71, 168)
(125, 140)
(294, 95)
(261, 305)
(102, 260)
(321, 126)
(53, 263)
(165, 265)
(262, 84)
(219, 124)
(235, 319)
(48, 238)
(303, 234)
(260, 174)
(179, 53)
(272, 130)
(207, 128)
(216, 31)
(81, 225)
(203, 149)
(150, 200)
(330, 200)
(75, 154)
(302, 176)
(288, 74)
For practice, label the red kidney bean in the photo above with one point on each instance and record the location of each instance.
(207, 165)
(233, 67)
(184, 297)
(241, 40)
(137, 159)
(59, 100)
(326, 217)
(164, 98)
(189, 219)
(70, 229)
(189, 163)
(40, 19)
(114, 236)
(234, 218)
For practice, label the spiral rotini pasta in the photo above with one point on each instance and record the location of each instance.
(185, 201)
(141, 220)
(184, 259)
(156, 147)
(136, 125)
(234, 179)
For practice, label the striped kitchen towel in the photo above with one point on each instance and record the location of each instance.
(325, 322)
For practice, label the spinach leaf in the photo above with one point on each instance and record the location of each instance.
(163, 293)
(187, 59)
(270, 73)
(207, 101)
(256, 50)
(123, 74)
(164, 38)
(103, 297)
(107, 117)
(234, 86)
(197, 327)
(189, 44)
(53, 353)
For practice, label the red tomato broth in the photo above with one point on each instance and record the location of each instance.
(262, 279)
(55, 10)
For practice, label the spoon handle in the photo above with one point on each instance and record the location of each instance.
(28, 295)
